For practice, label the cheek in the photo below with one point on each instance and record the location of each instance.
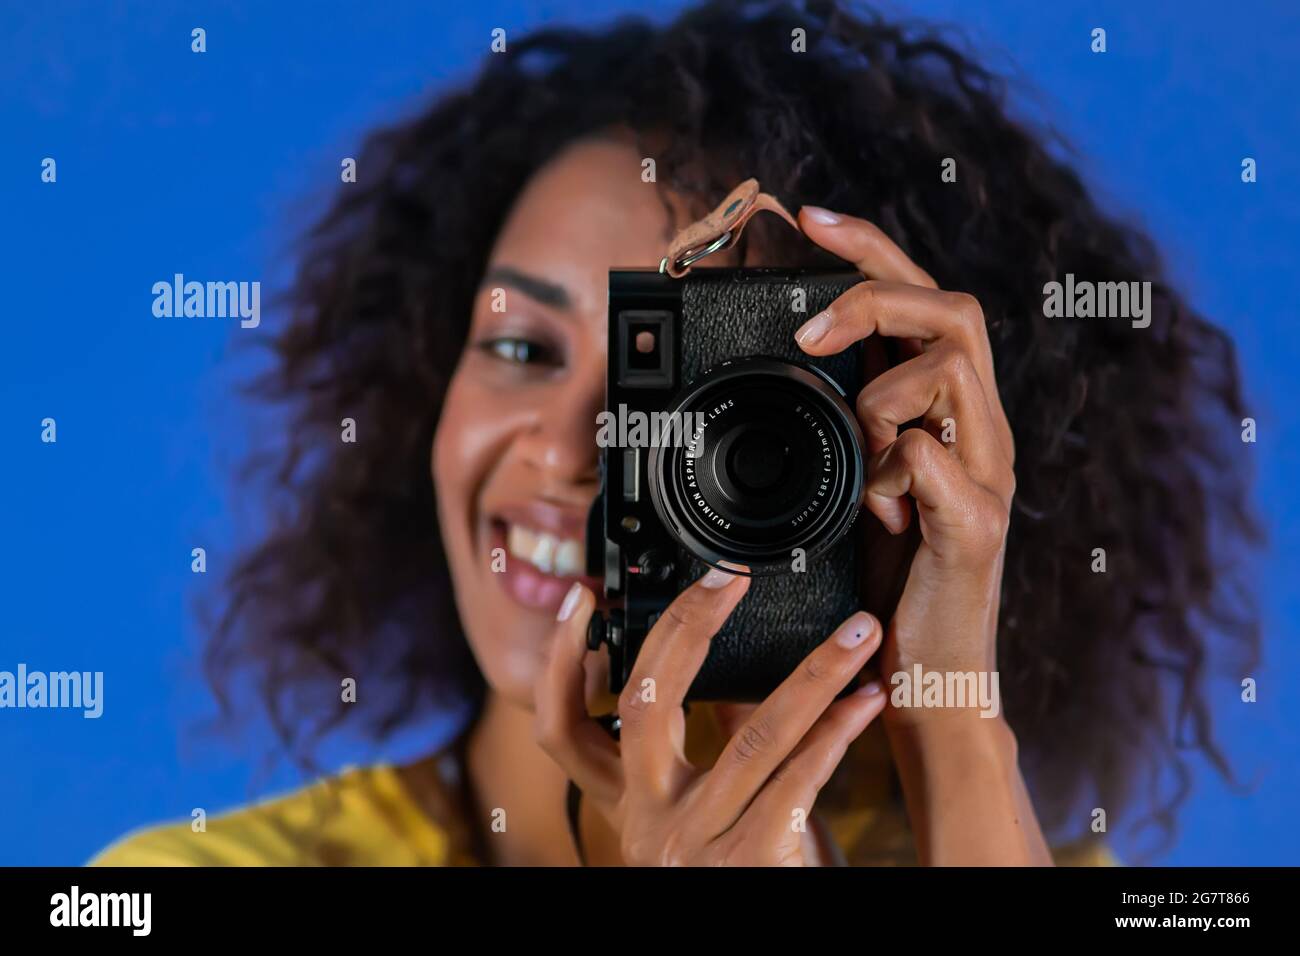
(471, 452)
(471, 435)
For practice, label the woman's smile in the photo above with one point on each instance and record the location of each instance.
(537, 551)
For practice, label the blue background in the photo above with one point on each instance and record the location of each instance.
(209, 164)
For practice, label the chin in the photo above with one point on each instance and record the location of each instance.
(511, 646)
(519, 559)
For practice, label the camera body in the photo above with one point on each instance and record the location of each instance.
(728, 446)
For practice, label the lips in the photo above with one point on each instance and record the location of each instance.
(545, 553)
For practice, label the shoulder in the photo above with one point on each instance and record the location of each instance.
(1090, 852)
(362, 816)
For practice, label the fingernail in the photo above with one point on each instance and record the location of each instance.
(871, 689)
(814, 330)
(716, 579)
(570, 603)
(856, 630)
(823, 216)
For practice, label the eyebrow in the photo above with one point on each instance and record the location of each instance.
(547, 293)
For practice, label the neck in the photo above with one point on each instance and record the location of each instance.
(520, 794)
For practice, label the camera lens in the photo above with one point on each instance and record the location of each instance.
(758, 460)
(770, 462)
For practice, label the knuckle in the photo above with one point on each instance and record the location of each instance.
(753, 739)
(729, 853)
(692, 613)
(635, 847)
(1005, 485)
(967, 308)
(788, 854)
(990, 523)
(866, 402)
(632, 704)
(682, 615)
(867, 295)
(645, 846)
(873, 407)
(673, 850)
(817, 669)
(1006, 443)
(956, 367)
(914, 449)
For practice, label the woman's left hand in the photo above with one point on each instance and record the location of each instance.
(958, 467)
(960, 773)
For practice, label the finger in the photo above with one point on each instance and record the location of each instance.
(862, 243)
(732, 716)
(774, 730)
(896, 310)
(959, 518)
(652, 732)
(561, 724)
(867, 246)
(941, 388)
(775, 821)
(929, 316)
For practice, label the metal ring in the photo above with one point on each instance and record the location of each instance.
(691, 257)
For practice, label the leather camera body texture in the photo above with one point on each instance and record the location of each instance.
(709, 317)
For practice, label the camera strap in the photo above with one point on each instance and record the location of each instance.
(721, 228)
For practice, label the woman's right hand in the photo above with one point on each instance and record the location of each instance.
(754, 806)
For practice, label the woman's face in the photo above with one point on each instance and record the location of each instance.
(514, 458)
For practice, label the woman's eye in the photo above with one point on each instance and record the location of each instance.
(518, 351)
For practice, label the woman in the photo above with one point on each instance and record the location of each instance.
(1078, 441)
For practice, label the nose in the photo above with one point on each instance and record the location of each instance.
(560, 443)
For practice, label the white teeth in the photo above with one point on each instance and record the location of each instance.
(547, 553)
(568, 559)
(543, 553)
(520, 542)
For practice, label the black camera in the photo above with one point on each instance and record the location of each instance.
(724, 445)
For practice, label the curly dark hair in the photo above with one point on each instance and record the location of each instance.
(1123, 435)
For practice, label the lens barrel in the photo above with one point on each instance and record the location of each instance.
(769, 470)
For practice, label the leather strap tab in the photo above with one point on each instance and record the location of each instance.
(721, 228)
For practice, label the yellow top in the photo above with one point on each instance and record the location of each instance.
(367, 817)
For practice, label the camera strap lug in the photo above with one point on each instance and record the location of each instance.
(721, 228)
